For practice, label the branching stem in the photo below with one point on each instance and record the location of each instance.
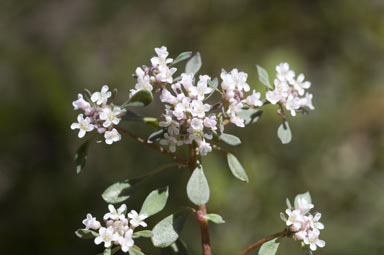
(262, 241)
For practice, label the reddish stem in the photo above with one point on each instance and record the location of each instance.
(262, 241)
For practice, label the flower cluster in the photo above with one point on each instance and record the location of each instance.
(99, 115)
(159, 73)
(305, 226)
(233, 86)
(289, 91)
(119, 227)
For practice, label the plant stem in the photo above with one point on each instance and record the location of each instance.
(152, 145)
(262, 241)
(201, 210)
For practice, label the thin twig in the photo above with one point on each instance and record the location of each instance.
(262, 241)
(152, 145)
(201, 210)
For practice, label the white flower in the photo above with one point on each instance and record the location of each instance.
(187, 80)
(101, 97)
(199, 109)
(228, 83)
(116, 214)
(293, 103)
(300, 85)
(91, 222)
(84, 125)
(313, 240)
(201, 88)
(171, 141)
(307, 101)
(314, 221)
(295, 219)
(167, 97)
(112, 136)
(196, 124)
(237, 120)
(254, 99)
(110, 116)
(143, 81)
(161, 59)
(273, 96)
(126, 242)
(283, 72)
(240, 79)
(137, 219)
(211, 122)
(304, 205)
(106, 235)
(204, 148)
(165, 74)
(80, 103)
(119, 226)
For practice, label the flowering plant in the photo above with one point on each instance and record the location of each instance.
(196, 111)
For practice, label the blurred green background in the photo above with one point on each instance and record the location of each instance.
(51, 50)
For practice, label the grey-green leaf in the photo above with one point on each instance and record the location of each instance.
(155, 202)
(121, 191)
(140, 98)
(263, 76)
(134, 251)
(156, 136)
(269, 248)
(81, 156)
(167, 231)
(236, 167)
(194, 64)
(143, 233)
(197, 187)
(86, 233)
(250, 115)
(182, 56)
(284, 133)
(305, 196)
(230, 139)
(215, 218)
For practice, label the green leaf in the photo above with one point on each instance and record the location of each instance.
(215, 218)
(197, 187)
(167, 231)
(182, 56)
(284, 133)
(263, 76)
(81, 156)
(250, 115)
(86, 233)
(289, 205)
(194, 64)
(121, 191)
(131, 116)
(213, 83)
(283, 217)
(143, 233)
(151, 121)
(269, 248)
(155, 202)
(236, 167)
(140, 98)
(230, 139)
(134, 251)
(305, 195)
(156, 136)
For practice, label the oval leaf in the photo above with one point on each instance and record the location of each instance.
(250, 115)
(167, 231)
(236, 167)
(143, 233)
(305, 196)
(230, 139)
(86, 233)
(134, 251)
(215, 218)
(121, 191)
(197, 187)
(81, 156)
(140, 98)
(155, 202)
(269, 248)
(284, 133)
(263, 76)
(194, 64)
(182, 56)
(156, 136)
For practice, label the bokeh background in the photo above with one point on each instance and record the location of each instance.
(51, 50)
